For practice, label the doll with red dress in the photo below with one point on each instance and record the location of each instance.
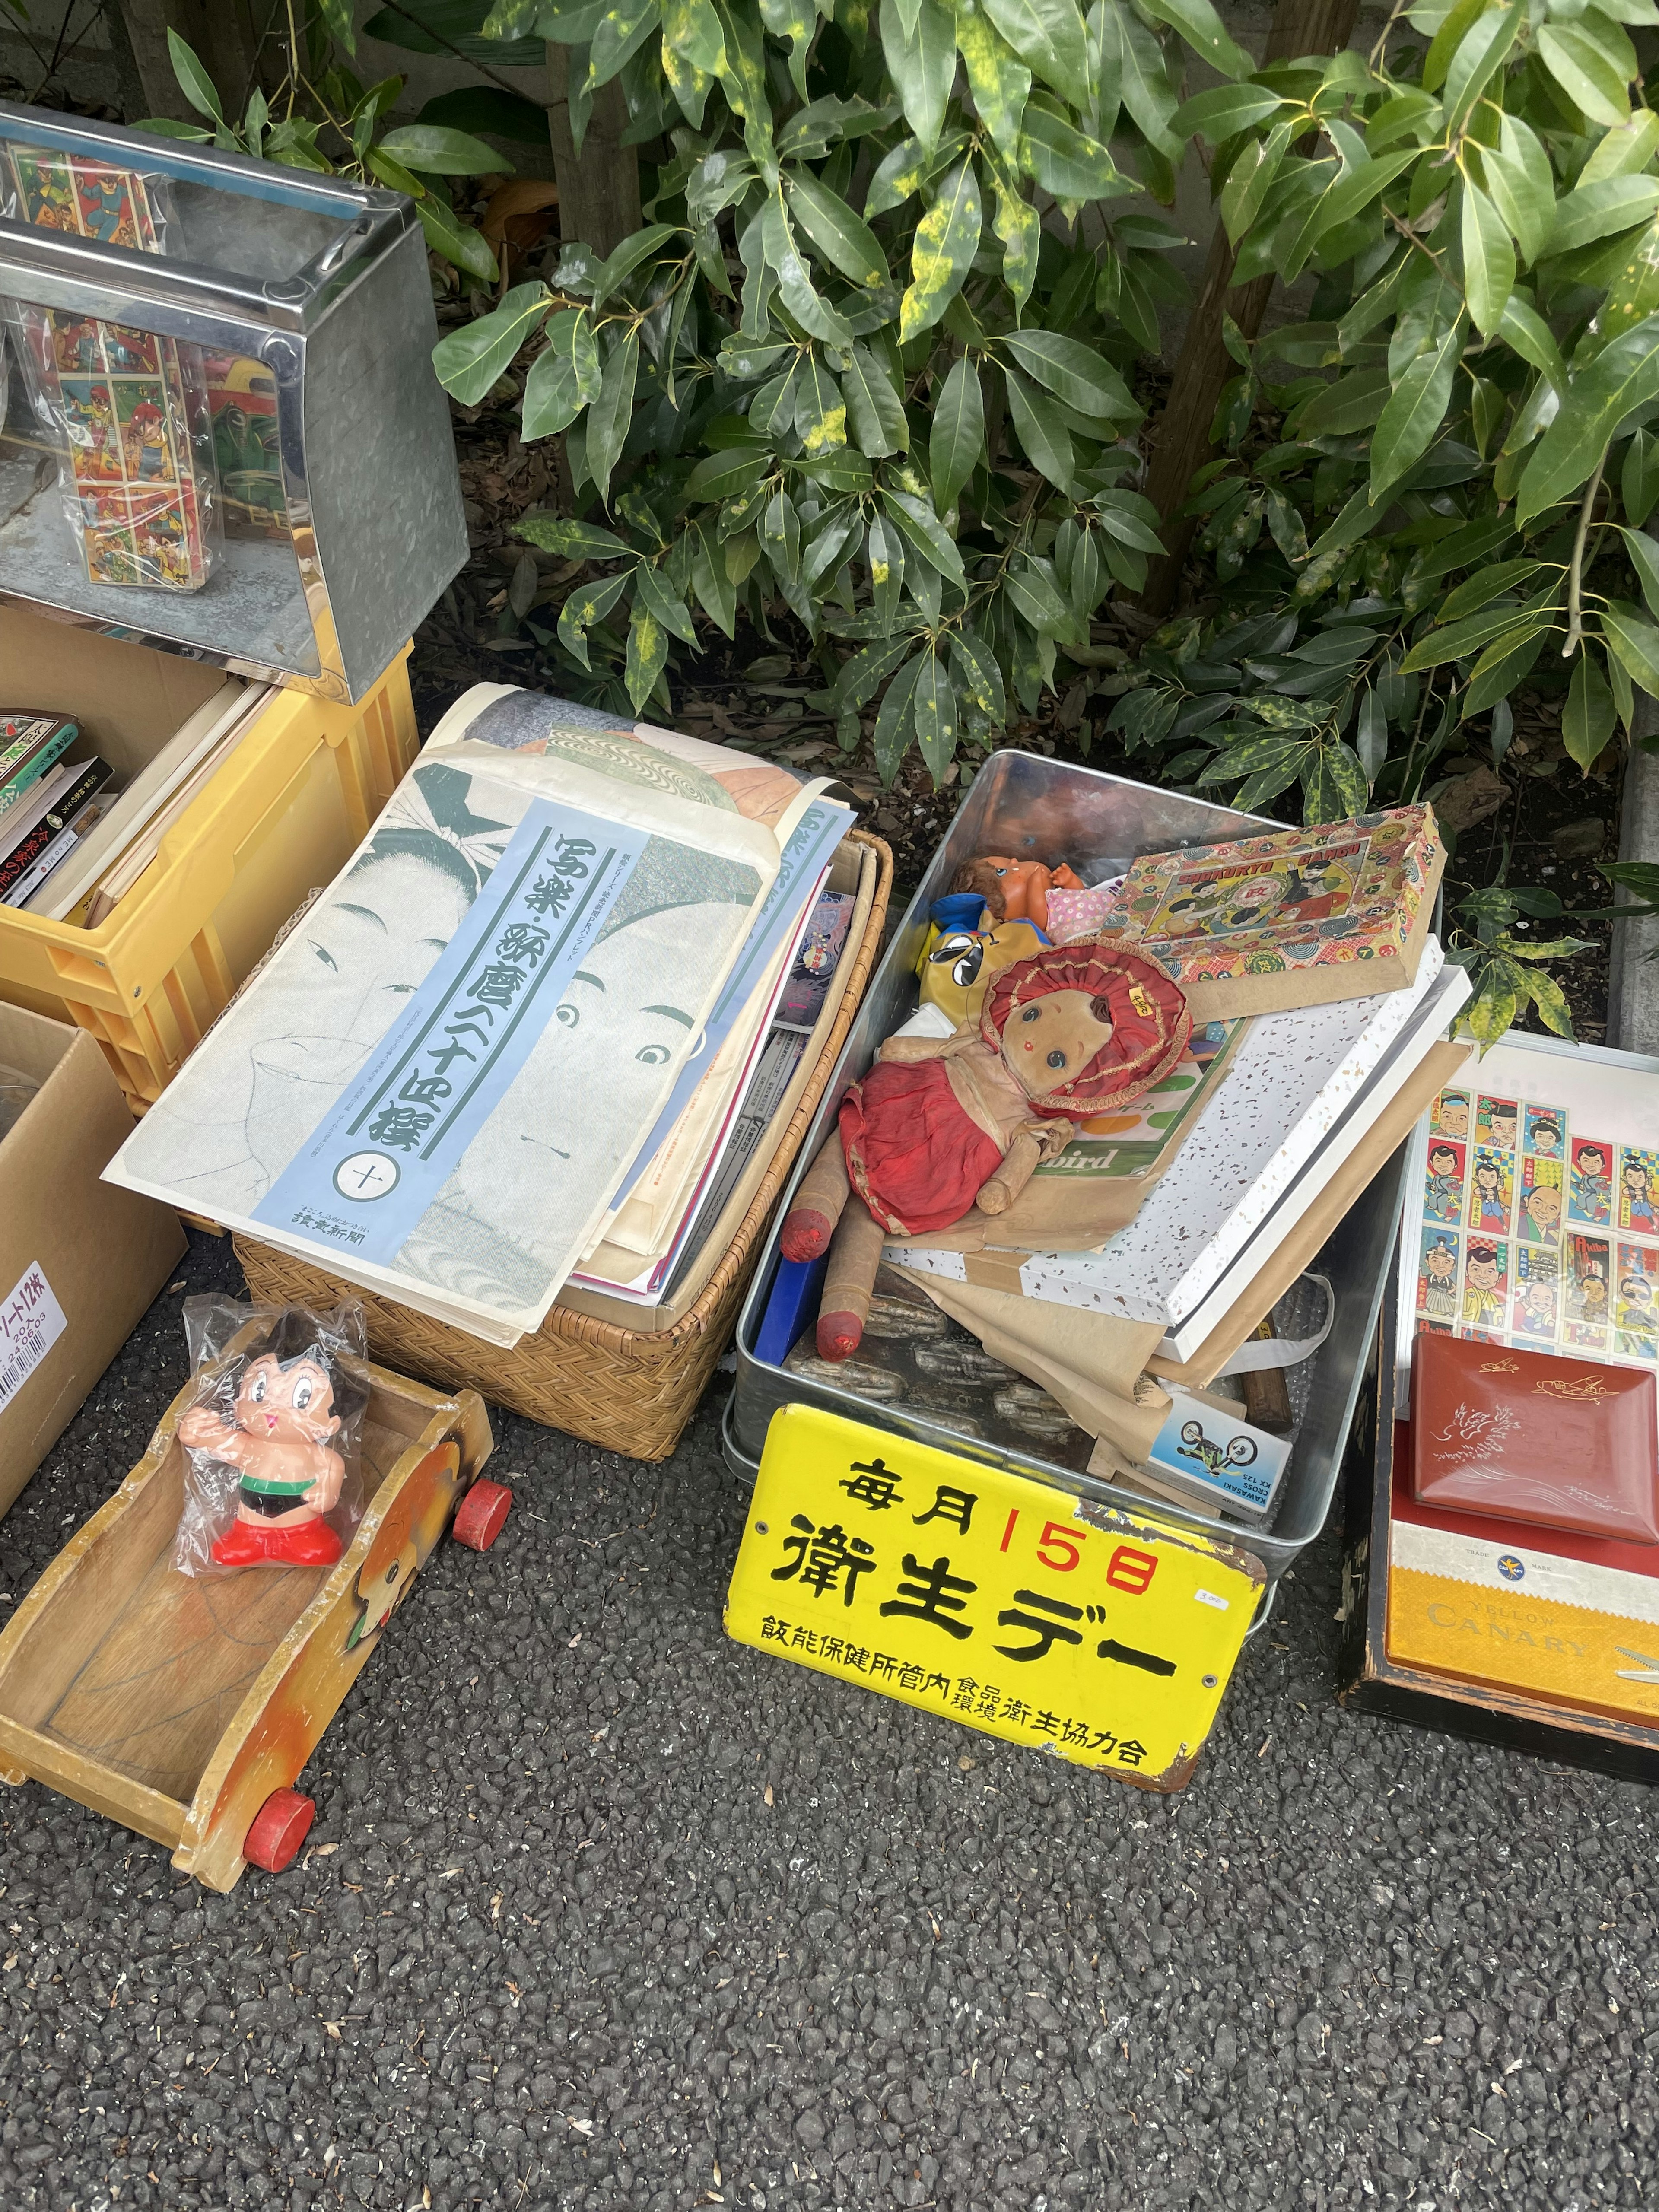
(941, 1125)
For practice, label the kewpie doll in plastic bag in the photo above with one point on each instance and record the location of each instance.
(271, 1444)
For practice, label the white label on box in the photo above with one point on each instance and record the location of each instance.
(31, 1322)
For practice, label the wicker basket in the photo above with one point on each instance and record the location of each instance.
(624, 1390)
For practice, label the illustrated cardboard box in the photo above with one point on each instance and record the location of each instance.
(1532, 1639)
(79, 1261)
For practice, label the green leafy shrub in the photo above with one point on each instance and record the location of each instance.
(848, 366)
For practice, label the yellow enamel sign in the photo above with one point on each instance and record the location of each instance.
(1105, 1636)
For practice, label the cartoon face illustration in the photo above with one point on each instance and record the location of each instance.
(1591, 1186)
(1485, 1269)
(1451, 1114)
(1541, 1213)
(1638, 1191)
(1442, 1194)
(1543, 1133)
(382, 1594)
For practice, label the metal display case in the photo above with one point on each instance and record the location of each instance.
(309, 300)
(1028, 806)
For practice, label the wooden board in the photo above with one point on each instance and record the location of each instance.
(177, 1705)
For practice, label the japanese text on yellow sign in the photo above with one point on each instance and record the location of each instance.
(1104, 1637)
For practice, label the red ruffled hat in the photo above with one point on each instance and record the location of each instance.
(1145, 1004)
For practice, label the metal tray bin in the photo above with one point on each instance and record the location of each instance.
(1028, 806)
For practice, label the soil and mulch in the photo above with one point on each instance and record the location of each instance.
(1534, 822)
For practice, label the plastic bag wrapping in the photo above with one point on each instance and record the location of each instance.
(273, 1462)
(127, 409)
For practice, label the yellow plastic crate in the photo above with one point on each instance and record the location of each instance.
(284, 812)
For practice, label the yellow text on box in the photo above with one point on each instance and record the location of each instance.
(1104, 1637)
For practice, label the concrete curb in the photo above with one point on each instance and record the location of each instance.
(1633, 977)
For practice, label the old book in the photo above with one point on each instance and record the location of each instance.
(30, 745)
(63, 793)
(1298, 918)
(1536, 1437)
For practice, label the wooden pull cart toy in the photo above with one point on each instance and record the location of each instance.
(187, 1708)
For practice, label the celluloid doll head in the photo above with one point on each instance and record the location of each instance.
(1015, 890)
(290, 1404)
(1084, 1027)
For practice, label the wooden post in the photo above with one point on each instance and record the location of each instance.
(599, 187)
(1204, 366)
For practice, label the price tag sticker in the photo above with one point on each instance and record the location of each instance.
(1105, 1636)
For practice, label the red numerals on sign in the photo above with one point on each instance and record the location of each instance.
(1008, 1533)
(1131, 1570)
(1055, 1538)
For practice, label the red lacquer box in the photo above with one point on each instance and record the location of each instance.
(1532, 1436)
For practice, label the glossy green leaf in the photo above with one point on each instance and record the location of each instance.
(648, 655)
(1031, 585)
(1525, 329)
(808, 307)
(471, 362)
(585, 606)
(621, 30)
(456, 240)
(1588, 718)
(564, 377)
(431, 149)
(1598, 211)
(1486, 584)
(1639, 483)
(998, 81)
(1353, 402)
(845, 240)
(570, 540)
(893, 723)
(933, 708)
(692, 30)
(820, 409)
(922, 65)
(1644, 559)
(875, 414)
(1334, 784)
(1488, 261)
(957, 445)
(1049, 38)
(1205, 32)
(1147, 91)
(1065, 161)
(194, 82)
(1416, 408)
(1041, 430)
(921, 526)
(1623, 376)
(1482, 53)
(977, 674)
(1071, 371)
(652, 591)
(715, 590)
(1250, 177)
(947, 241)
(611, 415)
(1579, 61)
(1458, 641)
(1522, 185)
(1019, 227)
(1225, 110)
(1637, 644)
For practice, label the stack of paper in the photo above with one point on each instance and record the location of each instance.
(544, 958)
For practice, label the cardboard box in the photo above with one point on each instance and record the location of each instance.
(1545, 1644)
(79, 1259)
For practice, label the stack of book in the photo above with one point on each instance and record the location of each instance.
(72, 841)
(535, 1034)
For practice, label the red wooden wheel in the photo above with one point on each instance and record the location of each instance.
(479, 1516)
(280, 1826)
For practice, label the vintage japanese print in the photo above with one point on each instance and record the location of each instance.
(1531, 1201)
(437, 1083)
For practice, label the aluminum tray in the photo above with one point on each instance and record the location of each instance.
(1023, 805)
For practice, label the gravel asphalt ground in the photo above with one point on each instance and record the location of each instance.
(602, 1912)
